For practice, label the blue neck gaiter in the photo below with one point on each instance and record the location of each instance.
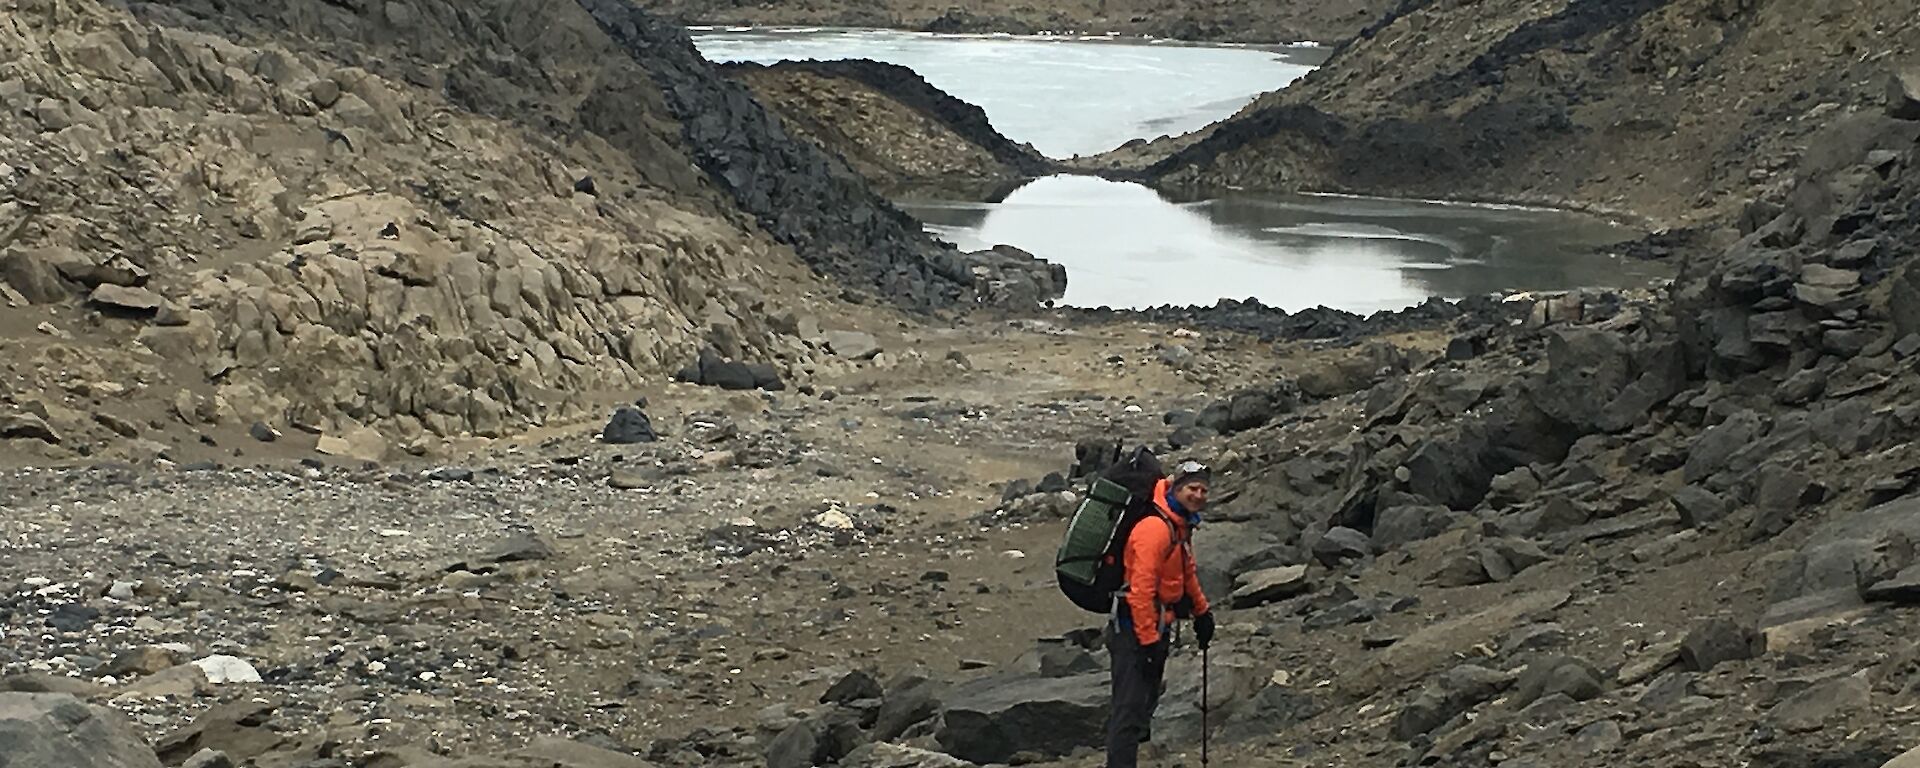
(1173, 503)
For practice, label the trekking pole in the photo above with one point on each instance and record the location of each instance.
(1206, 701)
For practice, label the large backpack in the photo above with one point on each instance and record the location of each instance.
(1089, 564)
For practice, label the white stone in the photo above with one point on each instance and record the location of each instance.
(834, 519)
(222, 669)
(122, 590)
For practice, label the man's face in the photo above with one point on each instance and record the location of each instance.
(1193, 495)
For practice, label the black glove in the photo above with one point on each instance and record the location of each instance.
(1203, 629)
(1156, 654)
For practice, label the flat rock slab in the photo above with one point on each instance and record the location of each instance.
(851, 344)
(1422, 651)
(363, 443)
(992, 719)
(125, 299)
(1904, 587)
(1270, 585)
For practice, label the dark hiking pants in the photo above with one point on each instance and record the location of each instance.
(1137, 677)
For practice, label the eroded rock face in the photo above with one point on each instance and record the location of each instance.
(409, 237)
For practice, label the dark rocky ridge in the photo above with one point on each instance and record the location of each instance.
(798, 193)
(1669, 110)
(910, 89)
(1291, 21)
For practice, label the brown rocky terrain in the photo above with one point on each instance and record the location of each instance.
(1678, 111)
(324, 221)
(891, 125)
(1293, 21)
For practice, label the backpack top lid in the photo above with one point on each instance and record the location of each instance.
(1139, 473)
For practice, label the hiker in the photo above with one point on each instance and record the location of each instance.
(1162, 585)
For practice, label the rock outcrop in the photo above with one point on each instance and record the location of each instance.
(890, 124)
(1678, 110)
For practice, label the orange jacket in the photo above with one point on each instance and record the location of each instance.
(1160, 571)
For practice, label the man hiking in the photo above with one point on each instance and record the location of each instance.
(1162, 585)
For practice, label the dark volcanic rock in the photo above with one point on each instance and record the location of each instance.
(803, 196)
(909, 88)
(992, 719)
(1716, 641)
(1446, 697)
(629, 425)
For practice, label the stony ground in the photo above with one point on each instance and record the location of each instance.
(766, 542)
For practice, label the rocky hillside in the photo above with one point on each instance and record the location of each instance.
(434, 218)
(889, 123)
(1671, 527)
(1253, 21)
(1676, 110)
(1666, 530)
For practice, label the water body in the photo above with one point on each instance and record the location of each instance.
(1125, 245)
(1064, 96)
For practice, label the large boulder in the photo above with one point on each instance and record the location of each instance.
(55, 730)
(1597, 382)
(35, 274)
(991, 719)
(1228, 550)
(1246, 409)
(1448, 696)
(1903, 93)
(1844, 560)
(629, 425)
(911, 698)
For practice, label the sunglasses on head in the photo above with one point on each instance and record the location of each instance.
(1190, 468)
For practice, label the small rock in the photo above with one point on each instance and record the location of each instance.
(520, 547)
(1600, 737)
(1054, 482)
(1902, 587)
(629, 480)
(1342, 544)
(123, 590)
(451, 475)
(221, 670)
(852, 344)
(120, 298)
(1903, 93)
(833, 520)
(855, 686)
(362, 443)
(147, 660)
(1698, 507)
(26, 426)
(208, 758)
(629, 425)
(1270, 585)
(262, 432)
(117, 425)
(1717, 641)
